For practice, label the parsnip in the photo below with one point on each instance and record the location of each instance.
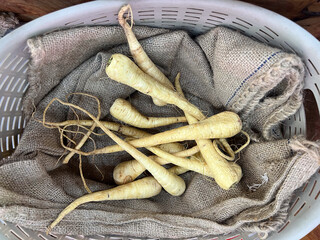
(223, 125)
(143, 188)
(128, 171)
(125, 112)
(121, 69)
(140, 56)
(225, 174)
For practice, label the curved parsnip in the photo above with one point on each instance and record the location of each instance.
(125, 112)
(128, 171)
(143, 188)
(225, 174)
(121, 69)
(223, 125)
(140, 56)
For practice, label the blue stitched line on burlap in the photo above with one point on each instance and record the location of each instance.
(247, 78)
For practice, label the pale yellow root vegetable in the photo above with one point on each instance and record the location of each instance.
(125, 130)
(128, 171)
(121, 69)
(143, 188)
(223, 125)
(116, 148)
(195, 164)
(225, 174)
(125, 112)
(140, 56)
(172, 183)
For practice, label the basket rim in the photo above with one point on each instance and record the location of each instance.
(37, 26)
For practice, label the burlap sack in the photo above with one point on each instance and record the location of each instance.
(261, 83)
(35, 187)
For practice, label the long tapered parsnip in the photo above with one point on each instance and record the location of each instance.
(125, 112)
(225, 174)
(123, 129)
(195, 164)
(128, 171)
(121, 69)
(172, 183)
(143, 188)
(115, 148)
(140, 56)
(223, 125)
(139, 189)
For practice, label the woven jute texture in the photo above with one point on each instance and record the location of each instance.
(220, 69)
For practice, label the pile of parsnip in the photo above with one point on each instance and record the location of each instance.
(211, 156)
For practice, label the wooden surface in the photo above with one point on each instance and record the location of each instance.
(306, 13)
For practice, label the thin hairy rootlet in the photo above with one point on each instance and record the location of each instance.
(139, 55)
(89, 132)
(125, 112)
(121, 69)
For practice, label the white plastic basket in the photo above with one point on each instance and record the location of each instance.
(196, 16)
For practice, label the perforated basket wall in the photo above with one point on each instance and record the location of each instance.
(196, 17)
